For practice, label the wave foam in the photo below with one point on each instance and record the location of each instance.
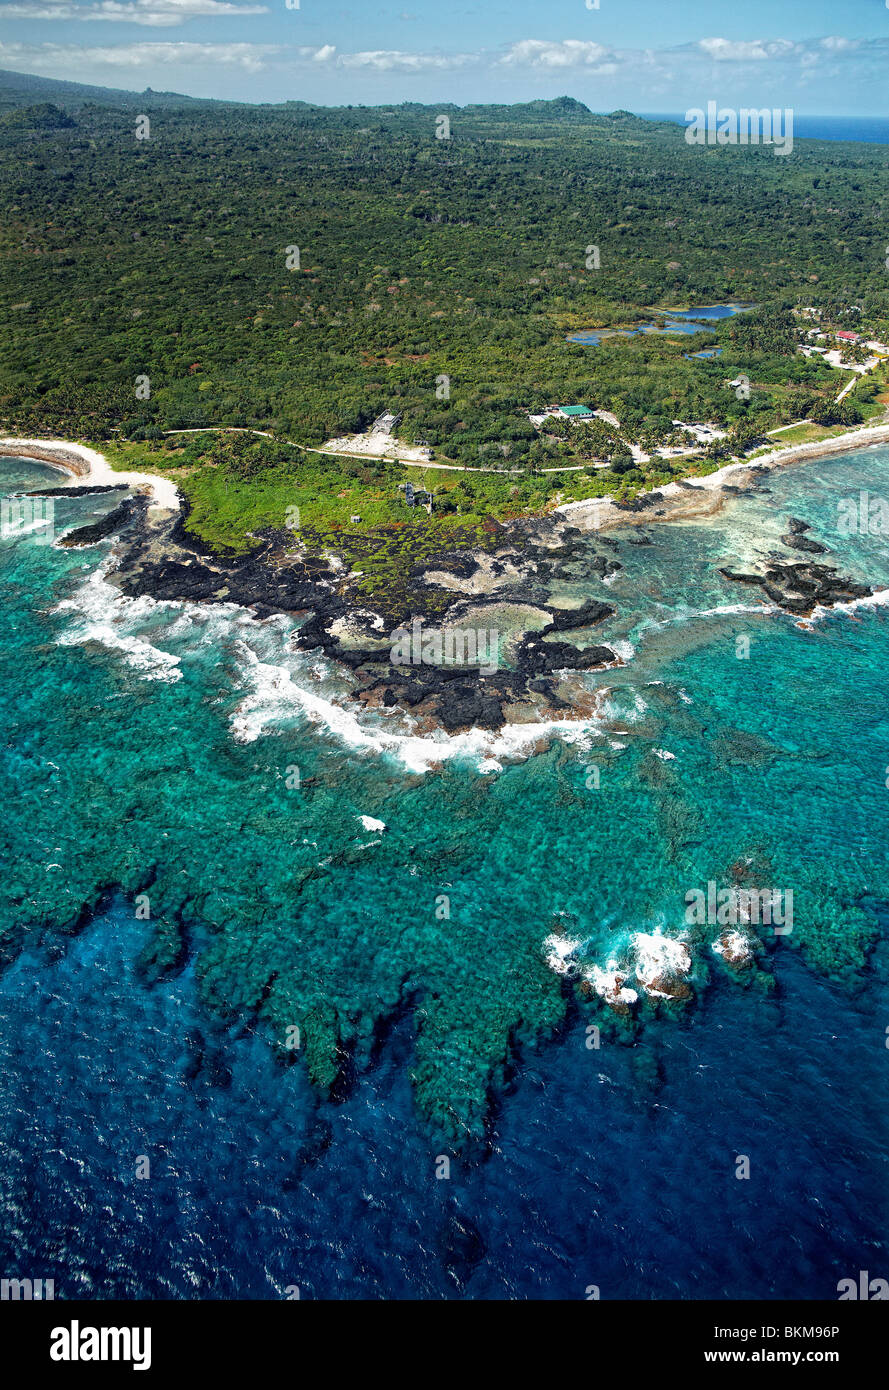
(277, 697)
(878, 600)
(657, 963)
(622, 648)
(100, 613)
(659, 958)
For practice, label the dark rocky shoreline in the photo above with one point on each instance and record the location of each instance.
(160, 559)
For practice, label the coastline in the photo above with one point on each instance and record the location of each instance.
(599, 513)
(544, 680)
(84, 465)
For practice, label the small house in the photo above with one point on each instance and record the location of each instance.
(416, 497)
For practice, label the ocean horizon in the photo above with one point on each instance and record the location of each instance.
(870, 130)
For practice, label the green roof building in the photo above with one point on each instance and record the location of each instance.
(576, 412)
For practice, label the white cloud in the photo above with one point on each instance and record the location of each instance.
(759, 50)
(565, 53)
(253, 57)
(840, 45)
(777, 60)
(387, 60)
(63, 59)
(155, 13)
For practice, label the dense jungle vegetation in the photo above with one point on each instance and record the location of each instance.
(436, 278)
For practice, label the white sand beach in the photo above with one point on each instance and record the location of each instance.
(85, 465)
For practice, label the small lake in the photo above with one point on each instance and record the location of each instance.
(692, 320)
(711, 311)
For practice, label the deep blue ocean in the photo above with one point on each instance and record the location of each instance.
(872, 130)
(144, 752)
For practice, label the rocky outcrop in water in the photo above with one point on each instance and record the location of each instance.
(130, 510)
(83, 490)
(801, 587)
(536, 657)
(796, 539)
(587, 615)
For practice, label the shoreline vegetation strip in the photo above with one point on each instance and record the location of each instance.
(86, 465)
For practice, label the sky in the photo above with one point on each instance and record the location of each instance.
(813, 56)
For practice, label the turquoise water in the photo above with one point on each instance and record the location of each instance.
(443, 972)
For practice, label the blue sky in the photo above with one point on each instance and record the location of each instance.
(646, 55)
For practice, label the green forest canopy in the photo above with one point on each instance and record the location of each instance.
(419, 259)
